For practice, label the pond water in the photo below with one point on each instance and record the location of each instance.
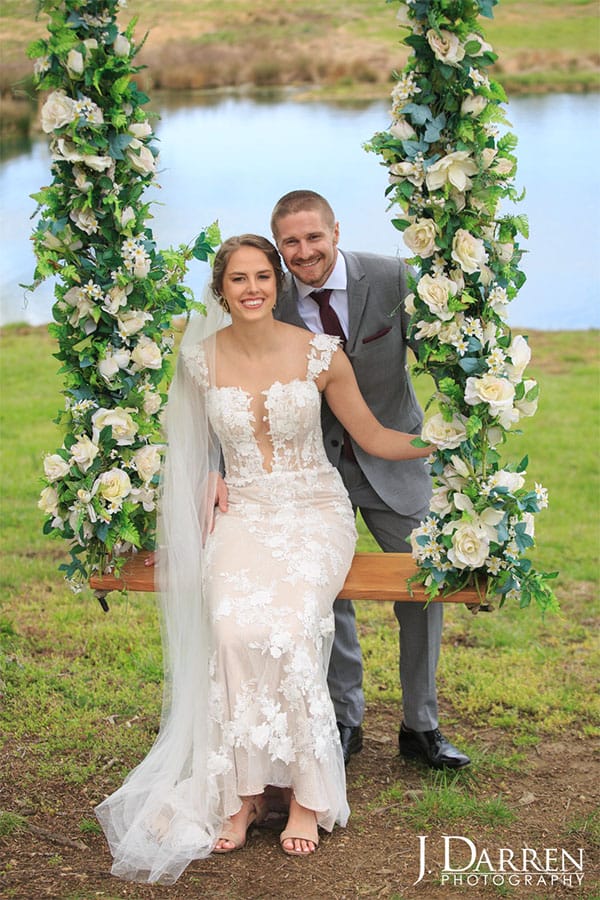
(230, 158)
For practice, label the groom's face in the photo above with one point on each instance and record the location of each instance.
(308, 245)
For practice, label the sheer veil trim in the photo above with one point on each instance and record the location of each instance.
(165, 813)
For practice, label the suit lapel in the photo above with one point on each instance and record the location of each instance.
(287, 304)
(357, 289)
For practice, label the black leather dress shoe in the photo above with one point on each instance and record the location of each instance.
(351, 739)
(431, 747)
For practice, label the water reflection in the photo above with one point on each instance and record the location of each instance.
(230, 157)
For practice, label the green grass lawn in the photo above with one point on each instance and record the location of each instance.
(67, 668)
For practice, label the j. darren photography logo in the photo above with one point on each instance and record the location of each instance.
(464, 863)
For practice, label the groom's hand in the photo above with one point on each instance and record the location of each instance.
(221, 496)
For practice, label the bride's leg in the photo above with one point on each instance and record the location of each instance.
(233, 835)
(301, 835)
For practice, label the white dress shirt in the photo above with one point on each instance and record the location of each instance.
(338, 284)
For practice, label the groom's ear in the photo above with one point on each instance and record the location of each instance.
(336, 233)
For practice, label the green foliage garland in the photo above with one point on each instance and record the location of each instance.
(116, 293)
(449, 169)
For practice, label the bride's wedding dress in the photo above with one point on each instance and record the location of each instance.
(271, 570)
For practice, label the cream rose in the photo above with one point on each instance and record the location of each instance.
(453, 169)
(446, 46)
(473, 105)
(504, 251)
(147, 461)
(140, 157)
(470, 547)
(468, 251)
(140, 129)
(85, 220)
(127, 216)
(146, 354)
(402, 130)
(497, 392)
(519, 354)
(115, 299)
(58, 110)
(484, 47)
(48, 502)
(75, 63)
(524, 406)
(55, 467)
(113, 486)
(446, 435)
(84, 452)
(81, 179)
(420, 237)
(512, 481)
(435, 292)
(132, 321)
(152, 402)
(440, 501)
(124, 429)
(409, 304)
(121, 46)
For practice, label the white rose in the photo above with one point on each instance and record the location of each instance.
(84, 452)
(488, 154)
(131, 321)
(413, 172)
(124, 429)
(497, 392)
(524, 406)
(97, 163)
(446, 435)
(147, 461)
(65, 149)
(402, 130)
(146, 354)
(146, 496)
(446, 46)
(140, 129)
(470, 546)
(85, 220)
(453, 169)
(427, 329)
(127, 216)
(468, 251)
(58, 110)
(141, 266)
(504, 251)
(115, 299)
(108, 367)
(82, 303)
(504, 166)
(91, 44)
(512, 481)
(121, 46)
(420, 237)
(113, 486)
(152, 402)
(435, 292)
(529, 520)
(440, 501)
(140, 157)
(81, 179)
(55, 467)
(519, 354)
(48, 502)
(75, 63)
(409, 304)
(473, 105)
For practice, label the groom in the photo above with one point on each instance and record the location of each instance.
(360, 297)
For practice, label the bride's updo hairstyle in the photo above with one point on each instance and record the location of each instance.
(228, 248)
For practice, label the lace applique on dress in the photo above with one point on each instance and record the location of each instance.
(321, 349)
(195, 361)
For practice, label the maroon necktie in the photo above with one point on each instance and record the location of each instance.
(329, 320)
(332, 325)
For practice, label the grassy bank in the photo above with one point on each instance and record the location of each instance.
(346, 49)
(82, 690)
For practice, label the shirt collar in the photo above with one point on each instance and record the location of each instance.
(337, 281)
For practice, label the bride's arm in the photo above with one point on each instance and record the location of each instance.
(349, 407)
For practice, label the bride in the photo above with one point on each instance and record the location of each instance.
(246, 598)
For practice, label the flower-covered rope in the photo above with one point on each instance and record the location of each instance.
(116, 294)
(449, 168)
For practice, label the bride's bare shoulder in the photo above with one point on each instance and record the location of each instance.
(295, 336)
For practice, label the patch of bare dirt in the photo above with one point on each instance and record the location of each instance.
(552, 795)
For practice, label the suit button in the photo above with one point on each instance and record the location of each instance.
(335, 443)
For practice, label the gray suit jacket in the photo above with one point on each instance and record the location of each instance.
(376, 347)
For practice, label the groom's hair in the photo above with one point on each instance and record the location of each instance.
(301, 201)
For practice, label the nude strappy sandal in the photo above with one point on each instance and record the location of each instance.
(255, 817)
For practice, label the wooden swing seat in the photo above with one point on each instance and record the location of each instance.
(372, 576)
